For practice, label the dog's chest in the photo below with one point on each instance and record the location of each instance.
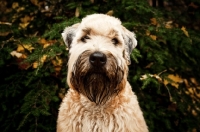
(103, 120)
(78, 114)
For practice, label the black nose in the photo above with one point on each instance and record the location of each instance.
(98, 59)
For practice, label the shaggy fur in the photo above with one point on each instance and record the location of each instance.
(100, 99)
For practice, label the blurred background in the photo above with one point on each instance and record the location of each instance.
(164, 74)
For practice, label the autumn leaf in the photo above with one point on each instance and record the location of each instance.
(110, 13)
(77, 12)
(20, 9)
(16, 54)
(154, 76)
(176, 80)
(193, 5)
(15, 5)
(41, 61)
(154, 37)
(22, 47)
(25, 21)
(35, 65)
(57, 62)
(92, 1)
(169, 24)
(153, 21)
(24, 25)
(45, 42)
(185, 31)
(57, 69)
(43, 58)
(35, 2)
(148, 32)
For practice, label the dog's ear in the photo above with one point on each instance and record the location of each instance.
(69, 33)
(130, 44)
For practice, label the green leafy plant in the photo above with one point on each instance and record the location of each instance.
(164, 72)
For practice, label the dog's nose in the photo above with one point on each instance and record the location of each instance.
(98, 59)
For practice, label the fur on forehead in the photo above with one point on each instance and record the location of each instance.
(93, 23)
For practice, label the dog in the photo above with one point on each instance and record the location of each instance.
(100, 99)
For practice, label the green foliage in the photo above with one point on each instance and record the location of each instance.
(164, 72)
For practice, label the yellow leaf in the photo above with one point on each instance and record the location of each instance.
(26, 19)
(110, 13)
(35, 65)
(20, 9)
(154, 21)
(43, 58)
(16, 54)
(193, 5)
(168, 24)
(57, 69)
(57, 62)
(24, 25)
(185, 31)
(154, 37)
(22, 47)
(45, 42)
(147, 32)
(176, 80)
(15, 5)
(46, 45)
(42, 41)
(92, 1)
(77, 13)
(35, 2)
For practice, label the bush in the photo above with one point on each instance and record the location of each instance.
(164, 72)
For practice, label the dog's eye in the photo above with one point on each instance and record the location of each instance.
(83, 39)
(115, 41)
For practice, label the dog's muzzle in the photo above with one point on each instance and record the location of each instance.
(97, 76)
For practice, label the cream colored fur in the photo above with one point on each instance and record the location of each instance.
(121, 112)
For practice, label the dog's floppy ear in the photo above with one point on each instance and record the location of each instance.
(69, 33)
(130, 44)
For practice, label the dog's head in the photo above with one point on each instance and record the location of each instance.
(99, 52)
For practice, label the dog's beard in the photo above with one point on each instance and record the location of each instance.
(97, 84)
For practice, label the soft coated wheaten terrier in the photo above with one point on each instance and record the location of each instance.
(100, 98)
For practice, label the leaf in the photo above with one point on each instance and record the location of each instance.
(45, 42)
(57, 62)
(77, 12)
(15, 5)
(20, 9)
(24, 25)
(193, 5)
(154, 37)
(22, 47)
(16, 54)
(148, 32)
(35, 65)
(40, 62)
(92, 1)
(43, 58)
(25, 21)
(169, 24)
(185, 31)
(153, 21)
(110, 13)
(176, 79)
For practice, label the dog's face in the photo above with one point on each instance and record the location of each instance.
(99, 52)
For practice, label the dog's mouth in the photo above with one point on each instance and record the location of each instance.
(96, 86)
